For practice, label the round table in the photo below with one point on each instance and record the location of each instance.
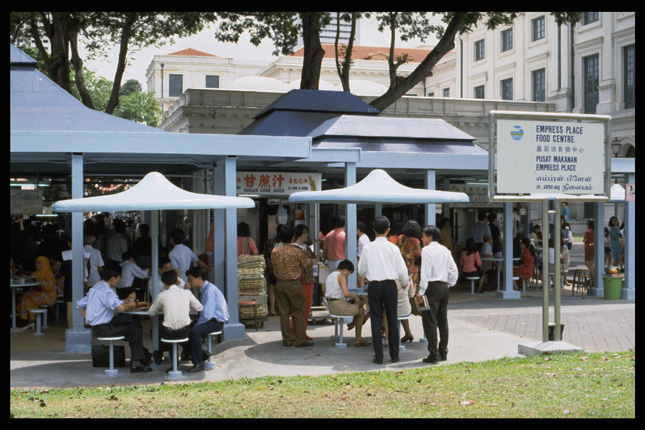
(13, 298)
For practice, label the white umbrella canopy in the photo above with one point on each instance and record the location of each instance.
(378, 187)
(153, 192)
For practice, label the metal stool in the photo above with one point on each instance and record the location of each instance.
(472, 280)
(39, 313)
(405, 317)
(111, 371)
(210, 364)
(174, 373)
(581, 280)
(338, 320)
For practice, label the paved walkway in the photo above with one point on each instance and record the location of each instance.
(482, 327)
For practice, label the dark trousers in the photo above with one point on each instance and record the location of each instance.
(436, 318)
(128, 326)
(197, 332)
(169, 333)
(382, 295)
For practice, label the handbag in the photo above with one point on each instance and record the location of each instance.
(101, 356)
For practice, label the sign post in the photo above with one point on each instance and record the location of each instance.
(549, 157)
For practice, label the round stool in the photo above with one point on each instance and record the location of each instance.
(38, 313)
(45, 307)
(404, 317)
(472, 280)
(111, 371)
(174, 373)
(210, 364)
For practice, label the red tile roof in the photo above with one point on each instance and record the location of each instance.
(368, 52)
(193, 52)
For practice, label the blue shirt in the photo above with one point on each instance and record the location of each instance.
(100, 304)
(214, 304)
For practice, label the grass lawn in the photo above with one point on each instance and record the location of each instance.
(546, 386)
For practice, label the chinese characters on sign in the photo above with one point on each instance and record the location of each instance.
(544, 157)
(268, 184)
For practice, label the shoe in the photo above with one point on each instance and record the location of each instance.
(196, 368)
(309, 337)
(140, 368)
(350, 326)
(306, 343)
(396, 360)
(28, 326)
(205, 356)
(443, 357)
(158, 357)
(431, 360)
(408, 338)
(377, 361)
(185, 357)
(362, 342)
(287, 344)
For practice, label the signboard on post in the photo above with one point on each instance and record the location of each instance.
(534, 153)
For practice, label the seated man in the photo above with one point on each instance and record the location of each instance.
(212, 318)
(176, 304)
(99, 308)
(130, 271)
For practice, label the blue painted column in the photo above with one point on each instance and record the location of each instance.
(78, 338)
(225, 251)
(350, 223)
(507, 291)
(598, 287)
(431, 208)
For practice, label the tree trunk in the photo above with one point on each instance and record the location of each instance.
(403, 85)
(77, 64)
(126, 33)
(313, 52)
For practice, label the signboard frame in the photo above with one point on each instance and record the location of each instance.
(494, 116)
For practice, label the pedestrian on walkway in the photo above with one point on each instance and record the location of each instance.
(382, 265)
(438, 273)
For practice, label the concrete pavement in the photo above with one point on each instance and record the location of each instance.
(482, 327)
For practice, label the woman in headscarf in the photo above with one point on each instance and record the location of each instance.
(37, 296)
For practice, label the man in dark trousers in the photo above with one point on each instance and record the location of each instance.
(99, 308)
(383, 266)
(438, 273)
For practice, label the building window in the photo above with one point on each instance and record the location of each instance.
(479, 50)
(479, 92)
(589, 17)
(537, 29)
(539, 85)
(591, 80)
(507, 40)
(212, 81)
(176, 84)
(446, 92)
(507, 89)
(629, 59)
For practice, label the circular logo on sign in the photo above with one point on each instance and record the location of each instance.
(518, 133)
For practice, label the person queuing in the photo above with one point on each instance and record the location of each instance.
(288, 263)
(99, 308)
(308, 280)
(212, 317)
(438, 273)
(382, 265)
(176, 303)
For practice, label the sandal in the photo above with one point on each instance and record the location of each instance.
(361, 342)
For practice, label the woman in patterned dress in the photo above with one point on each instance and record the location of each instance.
(410, 245)
(37, 296)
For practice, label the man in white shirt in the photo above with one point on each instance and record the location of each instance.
(176, 304)
(438, 273)
(130, 272)
(383, 266)
(181, 256)
(96, 262)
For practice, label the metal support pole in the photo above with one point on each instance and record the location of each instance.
(545, 271)
(557, 244)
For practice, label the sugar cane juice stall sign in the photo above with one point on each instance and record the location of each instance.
(268, 184)
(547, 156)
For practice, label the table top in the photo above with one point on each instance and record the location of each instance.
(358, 291)
(24, 284)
